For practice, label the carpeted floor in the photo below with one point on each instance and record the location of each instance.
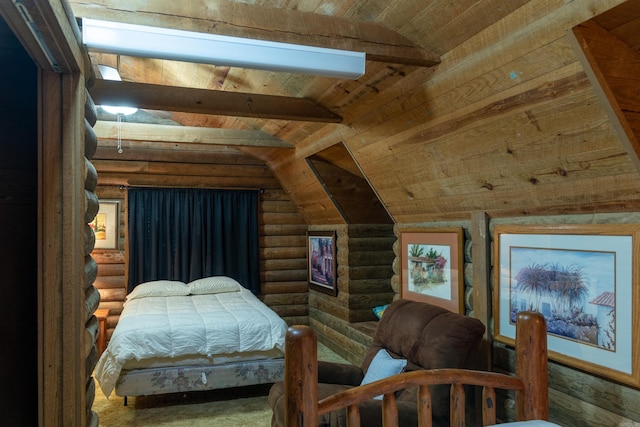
(241, 407)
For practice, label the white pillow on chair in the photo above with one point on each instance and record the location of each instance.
(383, 366)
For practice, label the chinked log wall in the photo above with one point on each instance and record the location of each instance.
(282, 228)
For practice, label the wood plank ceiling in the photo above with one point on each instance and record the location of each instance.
(382, 31)
(405, 99)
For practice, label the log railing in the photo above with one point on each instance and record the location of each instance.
(529, 383)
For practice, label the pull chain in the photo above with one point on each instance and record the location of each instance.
(119, 118)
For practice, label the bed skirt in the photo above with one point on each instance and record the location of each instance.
(175, 379)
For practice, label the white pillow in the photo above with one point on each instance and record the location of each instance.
(383, 366)
(214, 285)
(159, 288)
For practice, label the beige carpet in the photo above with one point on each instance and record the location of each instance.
(241, 407)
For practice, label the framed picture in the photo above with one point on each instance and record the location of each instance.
(582, 279)
(321, 248)
(105, 225)
(432, 267)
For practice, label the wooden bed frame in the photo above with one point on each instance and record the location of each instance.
(530, 382)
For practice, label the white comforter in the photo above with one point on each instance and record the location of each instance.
(221, 323)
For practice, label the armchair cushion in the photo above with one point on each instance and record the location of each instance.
(429, 337)
(339, 373)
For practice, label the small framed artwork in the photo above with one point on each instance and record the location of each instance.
(321, 248)
(582, 279)
(105, 225)
(432, 267)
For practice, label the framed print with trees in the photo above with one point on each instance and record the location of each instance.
(582, 279)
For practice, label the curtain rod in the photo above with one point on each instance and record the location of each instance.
(259, 190)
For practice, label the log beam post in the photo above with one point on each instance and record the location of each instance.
(301, 377)
(531, 366)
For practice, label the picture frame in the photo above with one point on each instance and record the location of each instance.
(105, 225)
(321, 261)
(432, 265)
(584, 280)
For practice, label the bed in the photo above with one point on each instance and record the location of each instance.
(529, 384)
(174, 337)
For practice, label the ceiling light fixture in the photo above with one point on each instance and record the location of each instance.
(110, 73)
(178, 45)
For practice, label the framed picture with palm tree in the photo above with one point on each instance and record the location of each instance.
(432, 267)
(582, 279)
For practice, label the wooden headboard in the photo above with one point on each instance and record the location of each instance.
(530, 382)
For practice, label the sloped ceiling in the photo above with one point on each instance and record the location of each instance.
(608, 48)
(347, 187)
(480, 131)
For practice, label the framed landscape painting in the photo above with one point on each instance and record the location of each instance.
(432, 267)
(322, 273)
(105, 224)
(582, 279)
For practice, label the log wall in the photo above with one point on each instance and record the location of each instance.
(282, 229)
(92, 296)
(577, 398)
(345, 322)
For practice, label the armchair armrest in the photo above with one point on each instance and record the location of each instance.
(339, 373)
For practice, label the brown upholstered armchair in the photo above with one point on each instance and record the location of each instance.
(427, 336)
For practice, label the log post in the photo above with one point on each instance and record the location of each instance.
(457, 405)
(531, 366)
(301, 377)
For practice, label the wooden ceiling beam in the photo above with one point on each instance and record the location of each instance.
(186, 134)
(263, 23)
(204, 101)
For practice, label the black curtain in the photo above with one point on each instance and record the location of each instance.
(186, 234)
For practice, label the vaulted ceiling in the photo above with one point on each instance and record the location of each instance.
(446, 84)
(467, 105)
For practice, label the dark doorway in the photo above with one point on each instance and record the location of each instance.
(18, 232)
